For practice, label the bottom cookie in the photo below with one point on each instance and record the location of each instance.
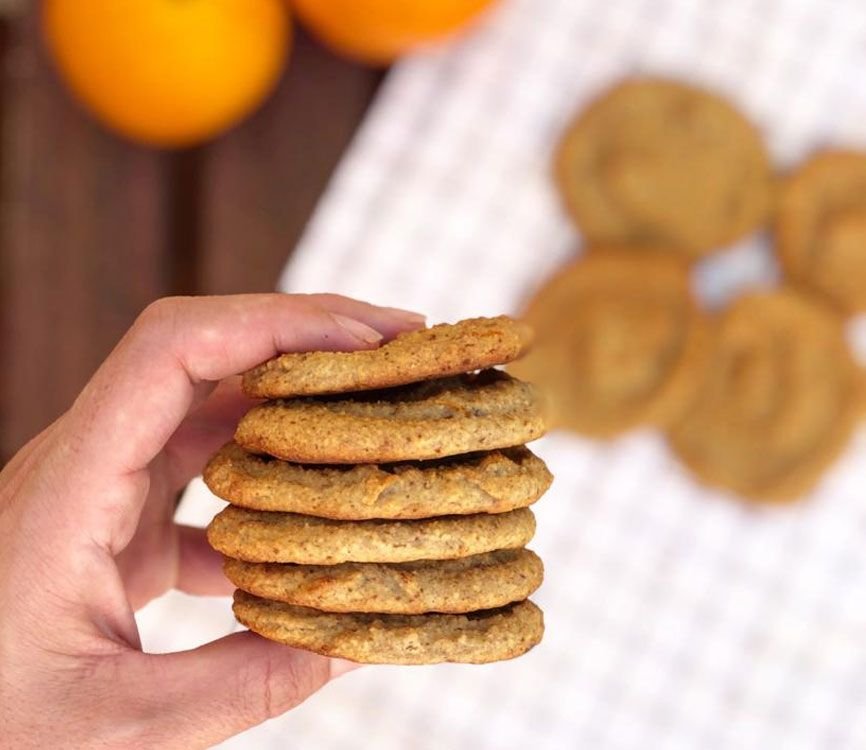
(475, 638)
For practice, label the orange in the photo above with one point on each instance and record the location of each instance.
(378, 31)
(168, 72)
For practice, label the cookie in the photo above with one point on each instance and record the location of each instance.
(476, 638)
(780, 400)
(492, 482)
(260, 536)
(447, 349)
(619, 342)
(662, 163)
(425, 420)
(485, 581)
(821, 227)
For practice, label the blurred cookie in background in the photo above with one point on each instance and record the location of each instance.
(821, 227)
(619, 342)
(780, 401)
(660, 162)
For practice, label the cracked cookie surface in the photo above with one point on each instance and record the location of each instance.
(467, 584)
(262, 536)
(427, 420)
(493, 482)
(425, 354)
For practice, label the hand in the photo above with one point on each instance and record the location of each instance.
(87, 533)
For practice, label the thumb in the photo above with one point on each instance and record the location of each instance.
(198, 698)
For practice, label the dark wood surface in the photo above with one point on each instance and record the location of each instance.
(93, 227)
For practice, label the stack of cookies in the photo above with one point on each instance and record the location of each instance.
(379, 499)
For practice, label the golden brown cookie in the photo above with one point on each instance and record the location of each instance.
(659, 162)
(821, 227)
(476, 638)
(492, 482)
(619, 342)
(426, 420)
(260, 536)
(780, 400)
(446, 349)
(467, 584)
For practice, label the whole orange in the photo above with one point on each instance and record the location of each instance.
(168, 72)
(378, 31)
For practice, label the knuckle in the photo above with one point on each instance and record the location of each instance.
(306, 303)
(326, 299)
(256, 699)
(275, 685)
(159, 314)
(171, 323)
(159, 308)
(309, 307)
(152, 317)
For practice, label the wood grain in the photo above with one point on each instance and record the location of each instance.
(262, 181)
(82, 232)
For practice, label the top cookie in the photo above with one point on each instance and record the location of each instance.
(658, 162)
(446, 349)
(821, 227)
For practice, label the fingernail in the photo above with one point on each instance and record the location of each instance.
(358, 329)
(407, 315)
(339, 667)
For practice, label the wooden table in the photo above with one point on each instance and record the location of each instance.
(93, 228)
